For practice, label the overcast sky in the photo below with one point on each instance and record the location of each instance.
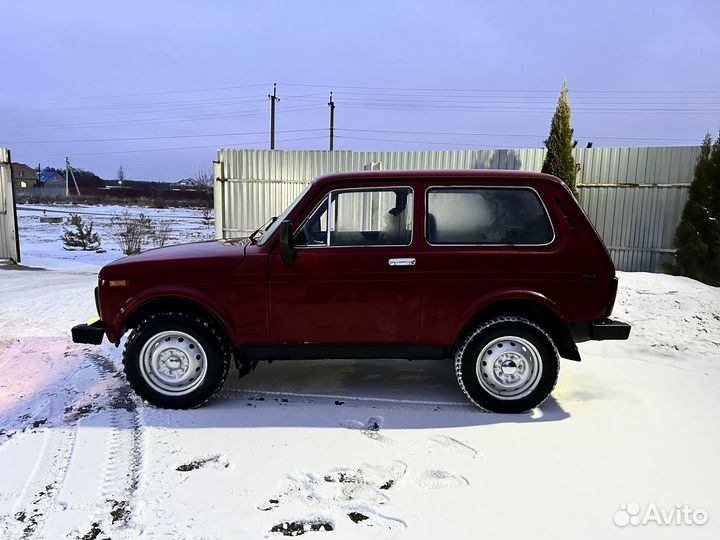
(158, 86)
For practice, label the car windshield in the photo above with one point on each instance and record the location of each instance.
(275, 224)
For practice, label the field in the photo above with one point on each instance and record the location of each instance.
(350, 449)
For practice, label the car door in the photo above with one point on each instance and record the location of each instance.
(354, 279)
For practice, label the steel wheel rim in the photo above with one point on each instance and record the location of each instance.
(173, 363)
(509, 367)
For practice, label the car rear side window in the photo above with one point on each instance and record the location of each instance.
(487, 216)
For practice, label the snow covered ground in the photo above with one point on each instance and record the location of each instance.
(41, 245)
(353, 449)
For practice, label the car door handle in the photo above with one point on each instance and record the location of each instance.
(401, 262)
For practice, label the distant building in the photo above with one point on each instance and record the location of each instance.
(51, 184)
(51, 179)
(24, 177)
(29, 183)
(188, 184)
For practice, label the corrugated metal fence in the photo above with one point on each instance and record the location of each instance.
(9, 247)
(634, 196)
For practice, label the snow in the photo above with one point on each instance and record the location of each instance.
(41, 246)
(369, 449)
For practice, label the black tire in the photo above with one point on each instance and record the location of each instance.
(202, 336)
(533, 347)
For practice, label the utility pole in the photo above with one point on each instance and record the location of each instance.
(331, 104)
(273, 100)
(68, 172)
(67, 178)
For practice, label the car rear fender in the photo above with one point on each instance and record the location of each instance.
(528, 304)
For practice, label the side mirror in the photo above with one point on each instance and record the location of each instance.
(287, 249)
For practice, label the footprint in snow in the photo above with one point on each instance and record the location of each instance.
(455, 446)
(301, 526)
(439, 479)
(347, 493)
(218, 461)
(368, 518)
(370, 428)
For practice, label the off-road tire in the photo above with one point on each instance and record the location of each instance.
(214, 343)
(466, 364)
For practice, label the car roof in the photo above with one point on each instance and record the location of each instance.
(410, 175)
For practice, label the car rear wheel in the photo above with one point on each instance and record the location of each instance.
(175, 360)
(507, 365)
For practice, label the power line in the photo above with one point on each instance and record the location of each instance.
(153, 93)
(439, 103)
(143, 150)
(550, 97)
(600, 137)
(183, 103)
(515, 101)
(438, 143)
(354, 130)
(554, 91)
(435, 143)
(159, 137)
(219, 115)
(391, 88)
(546, 110)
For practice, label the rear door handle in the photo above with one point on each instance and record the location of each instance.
(401, 262)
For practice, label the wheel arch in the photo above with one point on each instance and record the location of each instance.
(531, 308)
(174, 303)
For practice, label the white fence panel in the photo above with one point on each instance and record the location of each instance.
(9, 245)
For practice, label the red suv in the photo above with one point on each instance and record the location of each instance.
(500, 270)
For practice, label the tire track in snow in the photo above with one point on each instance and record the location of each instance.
(41, 490)
(39, 494)
(321, 399)
(113, 515)
(38, 500)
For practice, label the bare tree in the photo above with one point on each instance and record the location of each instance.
(132, 232)
(205, 178)
(161, 234)
(120, 174)
(207, 215)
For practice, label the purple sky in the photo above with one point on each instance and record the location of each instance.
(157, 86)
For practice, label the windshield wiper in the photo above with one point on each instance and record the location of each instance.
(262, 228)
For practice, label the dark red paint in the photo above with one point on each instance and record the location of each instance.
(350, 295)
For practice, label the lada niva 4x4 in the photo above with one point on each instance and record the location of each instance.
(500, 271)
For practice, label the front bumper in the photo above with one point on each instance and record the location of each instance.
(90, 332)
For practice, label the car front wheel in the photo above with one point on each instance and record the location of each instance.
(507, 365)
(175, 360)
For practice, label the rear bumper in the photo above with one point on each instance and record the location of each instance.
(91, 332)
(609, 329)
(601, 330)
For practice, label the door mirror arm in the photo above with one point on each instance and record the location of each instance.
(287, 248)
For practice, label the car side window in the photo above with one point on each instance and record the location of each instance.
(360, 217)
(491, 216)
(314, 231)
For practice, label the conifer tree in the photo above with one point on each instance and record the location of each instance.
(697, 237)
(559, 160)
(78, 235)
